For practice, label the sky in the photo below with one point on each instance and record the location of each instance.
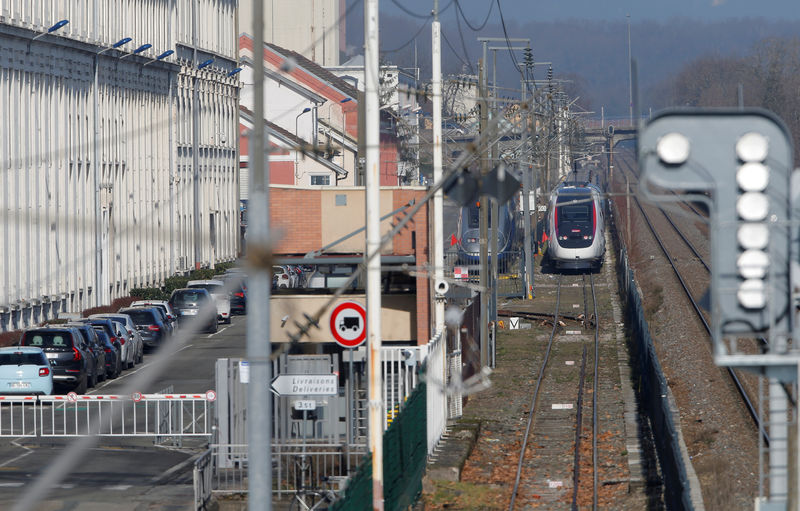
(585, 39)
(551, 10)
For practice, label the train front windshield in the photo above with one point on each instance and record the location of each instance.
(575, 219)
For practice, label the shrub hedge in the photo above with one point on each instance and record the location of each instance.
(146, 293)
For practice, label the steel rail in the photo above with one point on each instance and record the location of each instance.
(737, 382)
(595, 391)
(576, 466)
(535, 397)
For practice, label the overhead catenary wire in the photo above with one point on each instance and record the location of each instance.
(464, 44)
(485, 20)
(420, 16)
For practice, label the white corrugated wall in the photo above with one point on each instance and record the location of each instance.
(144, 150)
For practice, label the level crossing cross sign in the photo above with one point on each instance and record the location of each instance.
(349, 324)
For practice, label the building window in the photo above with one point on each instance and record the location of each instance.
(320, 180)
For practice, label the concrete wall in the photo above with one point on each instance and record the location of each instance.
(98, 179)
(398, 316)
(308, 219)
(309, 27)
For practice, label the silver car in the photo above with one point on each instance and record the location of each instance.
(133, 350)
(222, 298)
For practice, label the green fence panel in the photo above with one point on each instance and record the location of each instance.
(405, 451)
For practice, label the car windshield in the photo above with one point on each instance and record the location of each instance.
(21, 358)
(217, 289)
(47, 339)
(140, 317)
(188, 298)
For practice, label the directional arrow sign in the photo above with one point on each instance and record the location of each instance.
(306, 385)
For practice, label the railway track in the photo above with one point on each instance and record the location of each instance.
(555, 431)
(690, 286)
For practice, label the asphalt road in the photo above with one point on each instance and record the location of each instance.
(124, 473)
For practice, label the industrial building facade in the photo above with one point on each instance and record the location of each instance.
(118, 148)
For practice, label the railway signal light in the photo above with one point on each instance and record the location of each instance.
(740, 164)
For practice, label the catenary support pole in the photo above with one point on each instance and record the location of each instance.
(437, 258)
(484, 222)
(259, 348)
(493, 224)
(526, 193)
(373, 246)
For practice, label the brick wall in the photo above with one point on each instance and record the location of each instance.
(295, 216)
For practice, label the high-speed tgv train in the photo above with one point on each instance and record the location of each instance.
(469, 248)
(576, 226)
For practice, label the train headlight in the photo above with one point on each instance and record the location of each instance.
(673, 148)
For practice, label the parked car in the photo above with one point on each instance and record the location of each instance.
(192, 303)
(171, 315)
(133, 348)
(65, 349)
(170, 321)
(220, 295)
(97, 368)
(113, 352)
(25, 370)
(283, 278)
(149, 323)
(117, 334)
(235, 282)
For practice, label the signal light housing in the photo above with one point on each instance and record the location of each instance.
(739, 163)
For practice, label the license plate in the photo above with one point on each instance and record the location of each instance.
(19, 385)
(51, 355)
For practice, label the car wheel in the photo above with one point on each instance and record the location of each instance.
(81, 387)
(228, 320)
(103, 375)
(93, 380)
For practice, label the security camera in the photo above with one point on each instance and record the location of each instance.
(441, 287)
(410, 356)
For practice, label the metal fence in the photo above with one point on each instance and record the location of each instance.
(142, 415)
(404, 457)
(510, 270)
(653, 389)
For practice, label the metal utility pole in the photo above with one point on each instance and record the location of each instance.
(526, 190)
(373, 246)
(437, 258)
(630, 71)
(198, 231)
(484, 222)
(259, 348)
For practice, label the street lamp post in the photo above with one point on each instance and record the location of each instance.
(342, 102)
(296, 152)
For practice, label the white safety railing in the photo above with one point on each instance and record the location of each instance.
(17, 416)
(436, 379)
(399, 376)
(154, 415)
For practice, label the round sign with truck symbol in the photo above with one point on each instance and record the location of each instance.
(349, 324)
